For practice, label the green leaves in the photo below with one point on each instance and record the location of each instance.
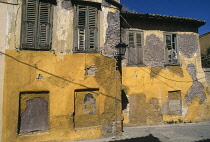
(205, 58)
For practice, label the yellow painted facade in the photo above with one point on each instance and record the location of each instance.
(147, 89)
(60, 78)
(81, 93)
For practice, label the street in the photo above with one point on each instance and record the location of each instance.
(185, 132)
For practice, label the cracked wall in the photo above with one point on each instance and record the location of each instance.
(188, 44)
(143, 112)
(156, 79)
(154, 51)
(62, 74)
(112, 34)
(3, 37)
(197, 88)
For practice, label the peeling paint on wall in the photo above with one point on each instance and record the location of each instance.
(155, 71)
(154, 51)
(153, 112)
(67, 5)
(188, 44)
(197, 88)
(91, 71)
(176, 70)
(112, 34)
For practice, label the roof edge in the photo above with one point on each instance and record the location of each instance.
(113, 2)
(204, 34)
(199, 23)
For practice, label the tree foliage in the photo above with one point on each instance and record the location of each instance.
(205, 59)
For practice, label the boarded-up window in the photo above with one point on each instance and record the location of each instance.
(86, 109)
(33, 112)
(135, 48)
(86, 29)
(175, 103)
(36, 24)
(171, 54)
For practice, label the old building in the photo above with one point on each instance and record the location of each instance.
(204, 42)
(60, 80)
(205, 52)
(163, 79)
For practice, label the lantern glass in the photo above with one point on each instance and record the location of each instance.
(121, 48)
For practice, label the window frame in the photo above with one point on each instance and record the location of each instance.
(167, 63)
(30, 96)
(97, 28)
(37, 27)
(135, 32)
(172, 112)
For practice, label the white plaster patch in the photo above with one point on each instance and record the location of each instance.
(184, 111)
(7, 31)
(105, 23)
(63, 22)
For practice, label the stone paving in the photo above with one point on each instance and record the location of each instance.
(186, 132)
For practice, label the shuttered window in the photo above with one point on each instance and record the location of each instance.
(135, 48)
(36, 25)
(171, 54)
(86, 29)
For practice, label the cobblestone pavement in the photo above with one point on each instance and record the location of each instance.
(188, 132)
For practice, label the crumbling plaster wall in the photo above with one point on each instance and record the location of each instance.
(61, 85)
(155, 80)
(61, 73)
(112, 32)
(154, 51)
(63, 25)
(188, 44)
(3, 36)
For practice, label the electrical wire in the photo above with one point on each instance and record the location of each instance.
(10, 3)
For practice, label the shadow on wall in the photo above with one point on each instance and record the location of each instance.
(149, 138)
(206, 140)
(124, 100)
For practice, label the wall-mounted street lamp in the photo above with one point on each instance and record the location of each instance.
(121, 49)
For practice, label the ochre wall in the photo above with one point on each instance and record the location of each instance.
(147, 86)
(65, 74)
(204, 42)
(61, 78)
(3, 38)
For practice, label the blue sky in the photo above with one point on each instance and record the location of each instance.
(198, 9)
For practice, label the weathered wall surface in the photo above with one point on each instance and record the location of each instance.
(154, 51)
(3, 37)
(112, 34)
(63, 79)
(189, 48)
(60, 81)
(148, 88)
(204, 42)
(207, 73)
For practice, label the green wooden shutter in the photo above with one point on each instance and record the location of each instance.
(81, 28)
(131, 40)
(36, 29)
(169, 41)
(29, 24)
(92, 31)
(132, 49)
(139, 49)
(43, 37)
(138, 40)
(168, 48)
